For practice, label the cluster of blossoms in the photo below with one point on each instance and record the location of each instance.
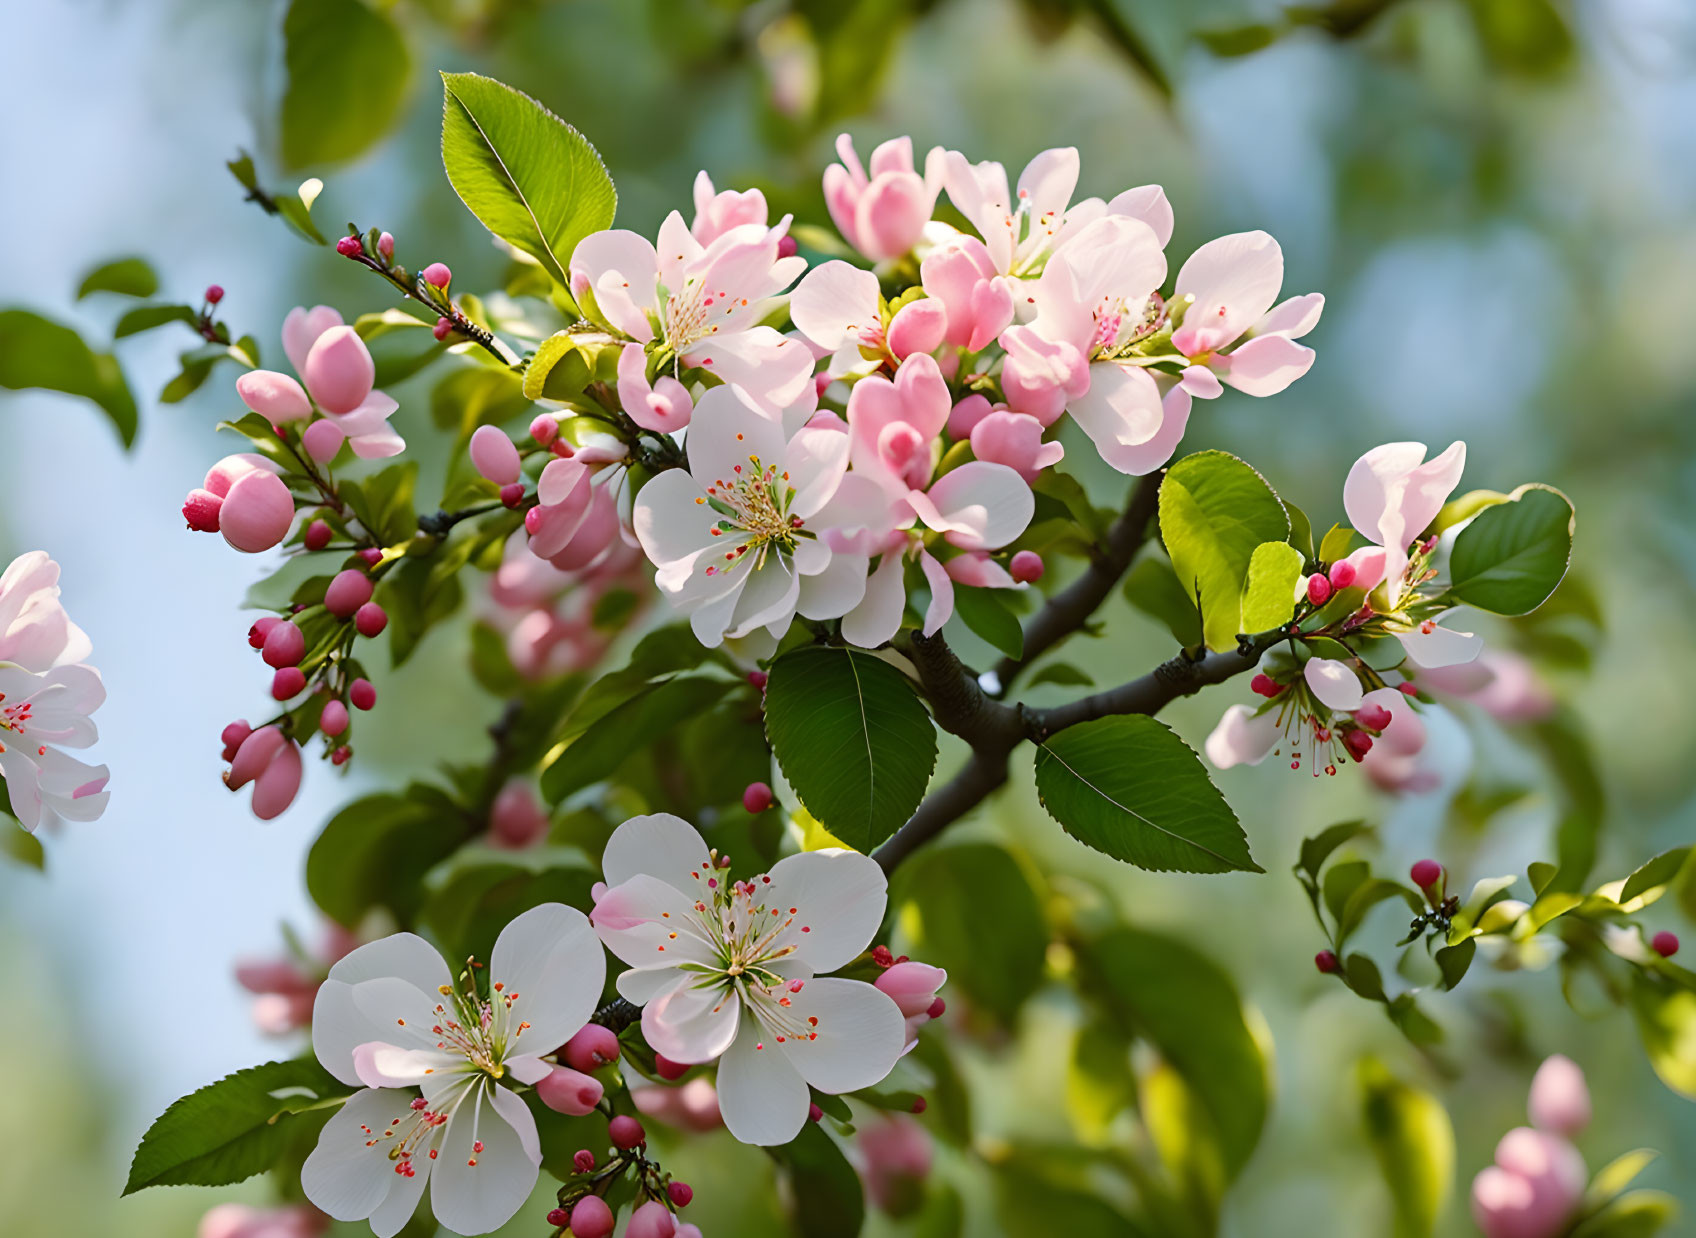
(729, 972)
(889, 445)
(47, 692)
(1332, 709)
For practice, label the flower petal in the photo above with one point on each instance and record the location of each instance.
(475, 1192)
(877, 617)
(659, 845)
(1131, 426)
(761, 1096)
(552, 967)
(833, 303)
(346, 1177)
(978, 506)
(1264, 365)
(1336, 686)
(861, 1035)
(1243, 737)
(1234, 280)
(694, 1022)
(835, 899)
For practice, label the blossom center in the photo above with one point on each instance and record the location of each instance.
(754, 505)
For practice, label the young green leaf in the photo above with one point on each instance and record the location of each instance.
(147, 317)
(1214, 511)
(347, 69)
(1269, 593)
(19, 844)
(651, 712)
(532, 179)
(1666, 1022)
(38, 352)
(828, 1199)
(852, 738)
(128, 277)
(1153, 588)
(1132, 789)
(1410, 1134)
(232, 1129)
(1513, 554)
(988, 616)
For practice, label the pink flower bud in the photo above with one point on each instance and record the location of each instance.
(222, 475)
(591, 1218)
(285, 645)
(1318, 589)
(1532, 1189)
(759, 679)
(517, 820)
(757, 798)
(1408, 688)
(569, 1092)
(442, 329)
(322, 440)
(372, 555)
(668, 1069)
(348, 591)
(512, 495)
(1342, 574)
(318, 535)
(214, 294)
(1560, 1099)
(936, 1009)
(583, 1161)
(1373, 716)
(235, 734)
(965, 415)
(544, 429)
(341, 756)
(276, 397)
(912, 985)
(287, 682)
(1265, 685)
(1426, 873)
(814, 1113)
(787, 246)
(559, 1218)
(257, 512)
(591, 1048)
(918, 327)
(437, 275)
(626, 1132)
(1326, 962)
(339, 371)
(370, 619)
(386, 245)
(261, 629)
(349, 247)
(200, 509)
(277, 785)
(652, 1220)
(494, 456)
(1664, 944)
(362, 695)
(1027, 567)
(333, 720)
(1359, 743)
(680, 1193)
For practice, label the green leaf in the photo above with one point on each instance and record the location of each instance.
(1365, 897)
(230, 1130)
(1530, 37)
(375, 852)
(1453, 961)
(987, 615)
(1178, 999)
(1062, 673)
(1656, 875)
(1616, 1175)
(1214, 511)
(347, 70)
(1337, 543)
(147, 317)
(1132, 789)
(1301, 530)
(651, 712)
(1152, 587)
(20, 844)
(529, 177)
(1316, 850)
(1411, 1135)
(128, 277)
(852, 738)
(1666, 1022)
(828, 1200)
(1269, 594)
(1099, 1083)
(38, 352)
(1639, 1214)
(467, 911)
(972, 910)
(1513, 554)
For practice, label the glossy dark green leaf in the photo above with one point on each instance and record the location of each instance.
(375, 852)
(826, 1196)
(147, 317)
(650, 711)
(988, 616)
(1513, 554)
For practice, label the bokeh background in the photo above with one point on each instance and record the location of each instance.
(1496, 196)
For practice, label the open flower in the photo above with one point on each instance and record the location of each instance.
(339, 374)
(1231, 284)
(733, 970)
(702, 302)
(735, 535)
(39, 714)
(434, 1058)
(35, 631)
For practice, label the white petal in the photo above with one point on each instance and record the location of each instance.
(941, 606)
(877, 618)
(773, 370)
(1440, 647)
(339, 1025)
(815, 460)
(405, 955)
(1149, 204)
(861, 1035)
(726, 433)
(768, 597)
(552, 967)
(1243, 737)
(343, 1176)
(660, 845)
(1131, 426)
(643, 985)
(1234, 280)
(982, 506)
(474, 1199)
(834, 592)
(402, 1202)
(1336, 686)
(389, 1066)
(650, 923)
(838, 899)
(762, 1098)
(622, 269)
(834, 302)
(692, 1023)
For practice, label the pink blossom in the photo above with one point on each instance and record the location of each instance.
(1560, 1099)
(692, 1106)
(896, 1153)
(662, 406)
(35, 631)
(961, 276)
(242, 1221)
(1502, 683)
(882, 214)
(1230, 285)
(39, 715)
(339, 375)
(1533, 1188)
(718, 212)
(516, 818)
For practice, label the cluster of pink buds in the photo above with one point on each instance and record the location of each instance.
(588, 1215)
(244, 499)
(1537, 1183)
(913, 986)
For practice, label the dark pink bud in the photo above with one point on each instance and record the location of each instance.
(1318, 589)
(1265, 685)
(318, 535)
(882, 957)
(668, 1069)
(372, 555)
(681, 1193)
(285, 645)
(333, 720)
(591, 1048)
(349, 246)
(920, 1104)
(757, 798)
(350, 590)
(559, 1218)
(759, 679)
(583, 1160)
(200, 509)
(626, 1132)
(512, 495)
(442, 329)
(287, 682)
(214, 294)
(569, 1092)
(261, 629)
(1359, 743)
(1342, 574)
(341, 756)
(814, 1113)
(257, 512)
(787, 246)
(1426, 873)
(544, 429)
(1325, 961)
(937, 1009)
(1664, 944)
(437, 275)
(591, 1218)
(1027, 567)
(235, 733)
(361, 694)
(533, 520)
(386, 245)
(370, 619)
(1408, 688)
(1372, 716)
